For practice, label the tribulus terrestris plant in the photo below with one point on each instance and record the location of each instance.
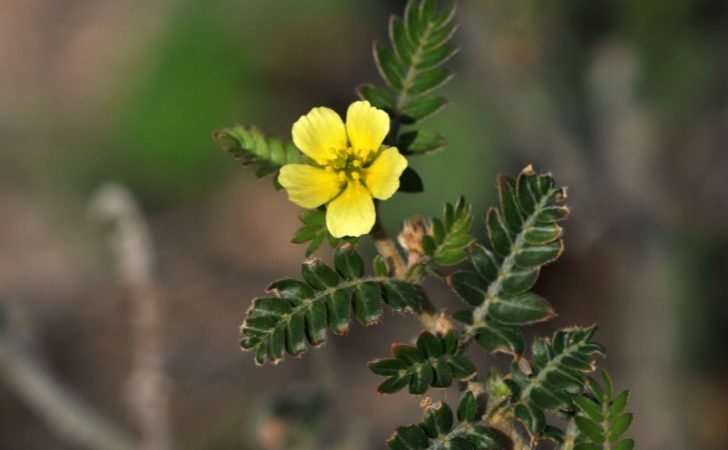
(338, 170)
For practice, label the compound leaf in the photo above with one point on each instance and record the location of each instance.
(296, 312)
(520, 244)
(433, 362)
(250, 146)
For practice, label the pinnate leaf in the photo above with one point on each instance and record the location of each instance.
(250, 146)
(411, 63)
(558, 374)
(433, 362)
(600, 418)
(439, 431)
(448, 239)
(298, 312)
(505, 271)
(315, 232)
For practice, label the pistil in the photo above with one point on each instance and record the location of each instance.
(347, 164)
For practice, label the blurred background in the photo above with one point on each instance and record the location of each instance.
(625, 101)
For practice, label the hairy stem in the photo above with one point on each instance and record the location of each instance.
(428, 314)
(385, 246)
(148, 383)
(55, 405)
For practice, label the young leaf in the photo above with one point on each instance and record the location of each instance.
(249, 146)
(448, 239)
(313, 231)
(600, 419)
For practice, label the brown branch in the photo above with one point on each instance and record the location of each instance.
(148, 383)
(59, 408)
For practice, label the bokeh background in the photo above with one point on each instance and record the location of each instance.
(625, 101)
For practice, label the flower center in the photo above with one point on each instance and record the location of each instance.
(347, 164)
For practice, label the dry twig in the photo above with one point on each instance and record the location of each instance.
(132, 243)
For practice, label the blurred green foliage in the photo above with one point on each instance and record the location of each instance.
(208, 68)
(213, 65)
(162, 128)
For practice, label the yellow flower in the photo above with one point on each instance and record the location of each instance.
(348, 166)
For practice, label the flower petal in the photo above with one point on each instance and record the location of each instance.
(319, 134)
(308, 186)
(382, 177)
(351, 213)
(366, 126)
